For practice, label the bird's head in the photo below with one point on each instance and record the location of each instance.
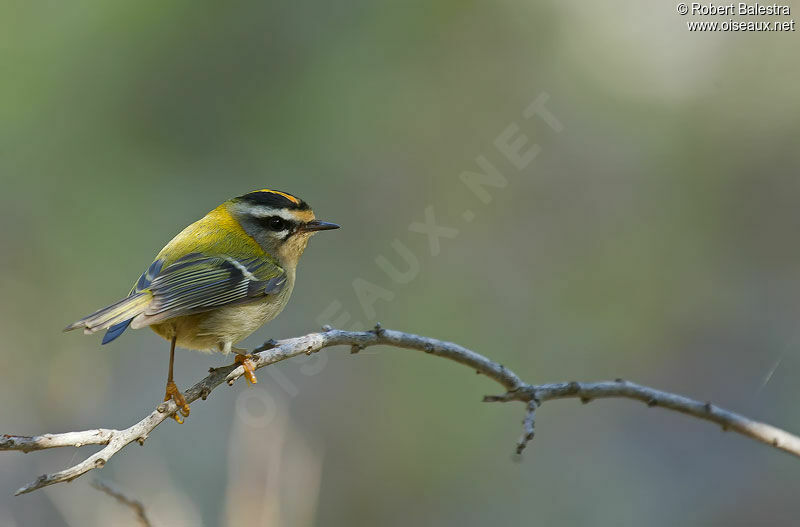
(279, 222)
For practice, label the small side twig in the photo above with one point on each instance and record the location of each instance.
(135, 505)
(527, 426)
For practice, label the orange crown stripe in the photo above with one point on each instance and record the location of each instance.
(284, 194)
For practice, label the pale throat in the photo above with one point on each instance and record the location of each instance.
(289, 252)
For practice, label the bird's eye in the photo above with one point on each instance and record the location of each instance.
(276, 224)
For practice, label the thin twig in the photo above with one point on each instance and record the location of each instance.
(527, 426)
(516, 390)
(136, 505)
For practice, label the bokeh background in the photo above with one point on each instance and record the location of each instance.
(653, 238)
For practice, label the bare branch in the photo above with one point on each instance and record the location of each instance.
(516, 390)
(27, 444)
(586, 391)
(135, 505)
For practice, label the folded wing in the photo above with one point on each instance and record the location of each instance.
(198, 283)
(192, 284)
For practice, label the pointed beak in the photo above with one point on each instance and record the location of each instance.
(316, 225)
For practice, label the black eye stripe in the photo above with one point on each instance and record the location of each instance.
(276, 223)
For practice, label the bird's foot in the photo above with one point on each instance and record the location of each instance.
(249, 367)
(175, 394)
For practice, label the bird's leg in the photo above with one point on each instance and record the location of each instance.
(172, 389)
(246, 361)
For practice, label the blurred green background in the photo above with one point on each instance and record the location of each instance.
(654, 238)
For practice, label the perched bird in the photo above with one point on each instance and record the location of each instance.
(217, 281)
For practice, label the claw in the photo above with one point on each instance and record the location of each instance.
(174, 394)
(249, 368)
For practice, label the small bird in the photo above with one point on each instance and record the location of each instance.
(216, 282)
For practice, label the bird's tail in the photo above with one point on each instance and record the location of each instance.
(118, 314)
